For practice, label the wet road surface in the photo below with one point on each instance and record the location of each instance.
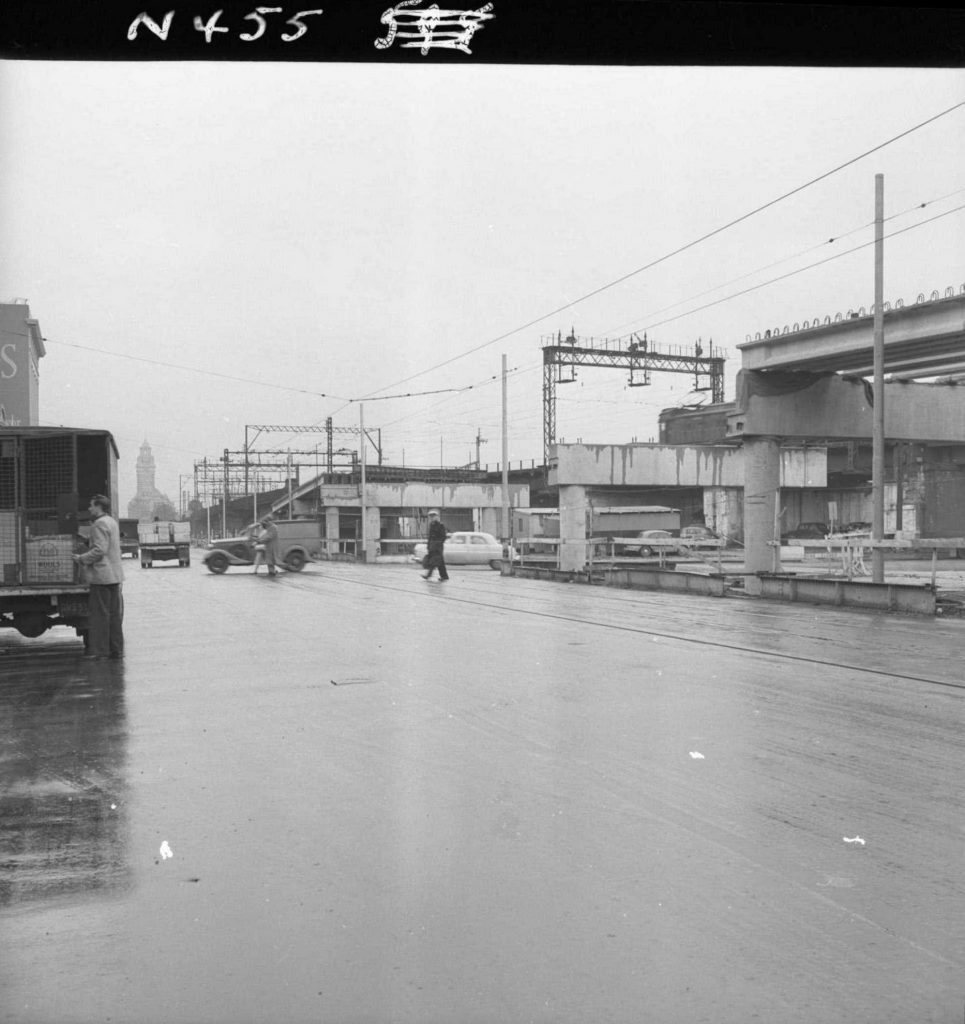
(349, 795)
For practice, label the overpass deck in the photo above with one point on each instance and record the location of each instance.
(923, 340)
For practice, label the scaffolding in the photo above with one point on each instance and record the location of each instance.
(247, 471)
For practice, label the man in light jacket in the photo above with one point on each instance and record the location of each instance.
(269, 537)
(104, 574)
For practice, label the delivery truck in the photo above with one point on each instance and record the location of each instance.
(128, 530)
(164, 542)
(47, 478)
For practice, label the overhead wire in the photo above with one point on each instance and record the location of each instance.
(786, 259)
(377, 395)
(801, 270)
(193, 369)
(680, 249)
(797, 271)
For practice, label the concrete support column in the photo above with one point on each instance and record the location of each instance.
(573, 514)
(490, 521)
(373, 527)
(331, 530)
(724, 511)
(762, 488)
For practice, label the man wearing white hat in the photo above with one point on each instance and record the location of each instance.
(435, 545)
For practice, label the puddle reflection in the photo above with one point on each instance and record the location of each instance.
(63, 753)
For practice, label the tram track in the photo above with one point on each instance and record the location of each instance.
(460, 596)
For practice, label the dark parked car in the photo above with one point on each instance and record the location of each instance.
(806, 531)
(696, 532)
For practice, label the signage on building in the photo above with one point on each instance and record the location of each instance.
(21, 347)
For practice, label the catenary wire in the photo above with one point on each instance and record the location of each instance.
(680, 249)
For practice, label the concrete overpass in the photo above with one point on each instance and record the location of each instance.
(795, 384)
(921, 340)
(582, 472)
(384, 501)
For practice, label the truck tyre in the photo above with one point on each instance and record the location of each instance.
(32, 624)
(217, 562)
(295, 561)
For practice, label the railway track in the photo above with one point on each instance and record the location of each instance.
(538, 598)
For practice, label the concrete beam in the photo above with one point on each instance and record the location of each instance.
(655, 465)
(835, 408)
(893, 597)
(932, 330)
(418, 495)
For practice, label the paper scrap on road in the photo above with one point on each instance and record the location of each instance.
(697, 755)
(856, 839)
(166, 850)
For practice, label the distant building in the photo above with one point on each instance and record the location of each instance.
(21, 348)
(149, 503)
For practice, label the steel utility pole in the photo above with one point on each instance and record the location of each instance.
(224, 503)
(878, 426)
(362, 478)
(505, 522)
(479, 442)
(291, 512)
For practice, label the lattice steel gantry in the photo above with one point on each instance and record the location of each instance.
(640, 357)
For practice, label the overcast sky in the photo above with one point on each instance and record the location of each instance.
(332, 232)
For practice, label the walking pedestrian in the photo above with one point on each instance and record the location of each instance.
(269, 537)
(253, 535)
(102, 563)
(434, 548)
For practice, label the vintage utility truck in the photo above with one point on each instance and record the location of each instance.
(47, 478)
(164, 542)
(299, 541)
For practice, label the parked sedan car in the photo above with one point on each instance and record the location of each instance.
(466, 547)
(646, 550)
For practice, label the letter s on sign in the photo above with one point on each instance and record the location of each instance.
(6, 358)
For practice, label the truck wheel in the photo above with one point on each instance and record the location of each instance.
(217, 563)
(295, 561)
(31, 624)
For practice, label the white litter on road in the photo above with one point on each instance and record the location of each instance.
(697, 755)
(166, 850)
(856, 839)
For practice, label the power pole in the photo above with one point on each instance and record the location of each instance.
(224, 502)
(480, 440)
(878, 423)
(362, 510)
(505, 522)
